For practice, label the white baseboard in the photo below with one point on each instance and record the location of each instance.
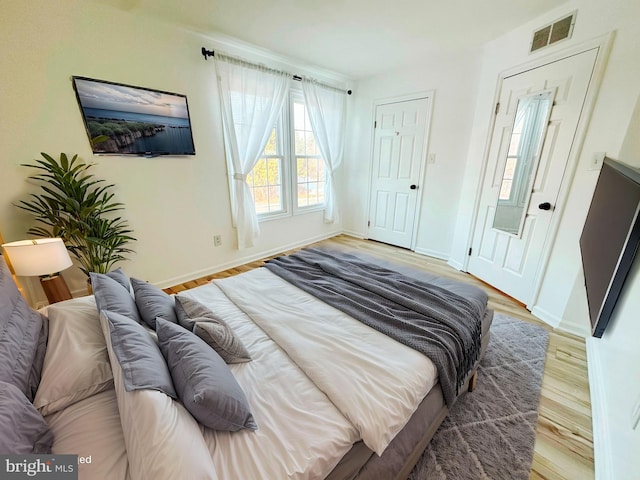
(422, 251)
(455, 264)
(169, 282)
(601, 435)
(564, 325)
(354, 234)
(432, 253)
(574, 328)
(266, 253)
(546, 317)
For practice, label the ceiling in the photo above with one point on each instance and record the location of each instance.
(357, 38)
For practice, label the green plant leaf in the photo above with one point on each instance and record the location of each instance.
(78, 207)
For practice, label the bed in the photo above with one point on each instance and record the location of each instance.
(304, 390)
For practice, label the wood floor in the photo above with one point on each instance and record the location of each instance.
(564, 441)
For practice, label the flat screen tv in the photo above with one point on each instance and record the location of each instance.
(127, 120)
(610, 239)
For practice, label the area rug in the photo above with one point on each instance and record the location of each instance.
(490, 433)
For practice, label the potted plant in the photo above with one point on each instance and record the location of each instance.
(80, 209)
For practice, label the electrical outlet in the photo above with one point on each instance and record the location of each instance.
(217, 240)
(597, 160)
(635, 414)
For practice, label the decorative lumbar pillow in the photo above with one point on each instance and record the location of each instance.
(221, 338)
(196, 317)
(206, 386)
(142, 364)
(187, 309)
(153, 302)
(24, 431)
(23, 337)
(111, 296)
(76, 365)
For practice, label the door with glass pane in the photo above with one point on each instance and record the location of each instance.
(534, 129)
(398, 156)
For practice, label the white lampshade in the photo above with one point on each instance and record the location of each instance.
(44, 256)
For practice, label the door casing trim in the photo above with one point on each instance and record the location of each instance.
(603, 44)
(429, 95)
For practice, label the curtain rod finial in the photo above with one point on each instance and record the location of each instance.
(207, 53)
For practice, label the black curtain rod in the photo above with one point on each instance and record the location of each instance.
(210, 53)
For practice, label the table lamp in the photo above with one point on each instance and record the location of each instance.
(46, 258)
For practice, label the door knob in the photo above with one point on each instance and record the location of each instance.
(413, 187)
(545, 206)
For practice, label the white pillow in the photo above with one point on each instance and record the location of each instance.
(76, 365)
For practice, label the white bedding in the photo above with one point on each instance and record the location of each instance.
(301, 434)
(376, 382)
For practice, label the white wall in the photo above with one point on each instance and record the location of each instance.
(614, 129)
(614, 361)
(174, 204)
(452, 78)
(614, 370)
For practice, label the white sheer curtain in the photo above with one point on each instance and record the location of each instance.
(327, 108)
(251, 99)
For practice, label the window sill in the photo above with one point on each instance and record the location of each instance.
(299, 211)
(303, 210)
(272, 216)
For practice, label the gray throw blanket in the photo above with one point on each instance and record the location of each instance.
(434, 321)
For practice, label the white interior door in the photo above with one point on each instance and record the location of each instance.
(510, 261)
(398, 155)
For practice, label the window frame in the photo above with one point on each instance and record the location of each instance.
(289, 160)
(284, 173)
(293, 95)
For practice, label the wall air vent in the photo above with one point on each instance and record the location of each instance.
(554, 32)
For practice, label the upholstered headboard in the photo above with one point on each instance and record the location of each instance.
(24, 337)
(23, 342)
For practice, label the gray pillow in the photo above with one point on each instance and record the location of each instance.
(119, 276)
(24, 431)
(142, 364)
(23, 337)
(196, 317)
(206, 386)
(153, 302)
(111, 296)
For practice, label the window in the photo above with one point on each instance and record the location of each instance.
(265, 179)
(290, 176)
(513, 160)
(310, 174)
